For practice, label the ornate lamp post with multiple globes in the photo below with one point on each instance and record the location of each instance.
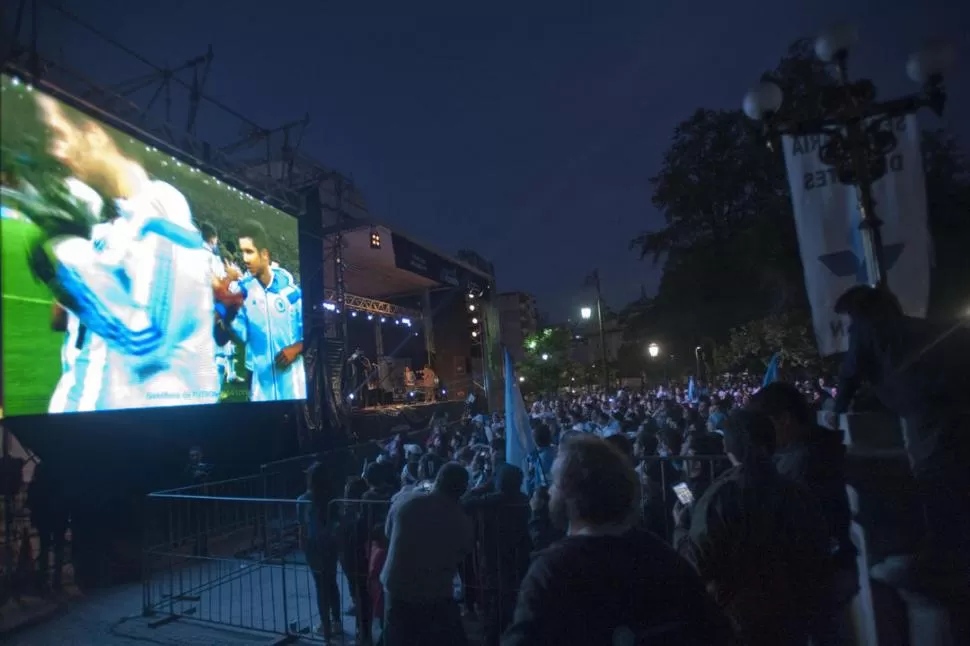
(857, 127)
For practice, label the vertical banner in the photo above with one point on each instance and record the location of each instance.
(827, 221)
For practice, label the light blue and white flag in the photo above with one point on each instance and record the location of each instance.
(771, 374)
(691, 390)
(827, 221)
(518, 431)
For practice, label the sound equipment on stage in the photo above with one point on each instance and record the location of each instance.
(392, 372)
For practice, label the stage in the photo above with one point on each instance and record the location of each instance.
(380, 422)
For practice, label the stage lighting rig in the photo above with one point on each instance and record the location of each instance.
(375, 238)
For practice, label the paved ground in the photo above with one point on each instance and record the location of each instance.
(113, 617)
(246, 597)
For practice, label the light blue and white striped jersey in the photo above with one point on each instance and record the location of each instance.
(148, 294)
(83, 357)
(270, 319)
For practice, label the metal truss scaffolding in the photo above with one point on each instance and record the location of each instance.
(372, 306)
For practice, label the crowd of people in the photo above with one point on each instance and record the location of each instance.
(699, 514)
(691, 515)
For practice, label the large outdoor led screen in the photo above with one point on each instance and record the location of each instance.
(134, 280)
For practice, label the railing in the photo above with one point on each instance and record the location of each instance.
(243, 562)
(225, 553)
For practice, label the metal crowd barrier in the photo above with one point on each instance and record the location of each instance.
(226, 554)
(243, 563)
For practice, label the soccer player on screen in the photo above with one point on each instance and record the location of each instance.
(83, 353)
(147, 293)
(269, 322)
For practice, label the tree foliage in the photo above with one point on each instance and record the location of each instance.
(548, 364)
(751, 345)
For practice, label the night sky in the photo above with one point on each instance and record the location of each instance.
(523, 130)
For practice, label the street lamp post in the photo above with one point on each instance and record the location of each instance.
(587, 313)
(654, 351)
(858, 128)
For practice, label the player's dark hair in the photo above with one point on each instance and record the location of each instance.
(208, 231)
(256, 232)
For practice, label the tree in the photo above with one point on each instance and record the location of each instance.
(548, 365)
(751, 345)
(729, 242)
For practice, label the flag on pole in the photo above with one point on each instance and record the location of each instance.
(771, 374)
(827, 221)
(518, 431)
(691, 390)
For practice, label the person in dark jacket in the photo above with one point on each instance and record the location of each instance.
(811, 455)
(814, 457)
(657, 475)
(919, 370)
(758, 540)
(50, 517)
(541, 530)
(607, 582)
(503, 546)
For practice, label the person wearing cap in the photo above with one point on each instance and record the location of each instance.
(429, 535)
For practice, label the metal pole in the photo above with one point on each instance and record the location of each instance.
(870, 225)
(599, 316)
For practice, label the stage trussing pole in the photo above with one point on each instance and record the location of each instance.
(427, 317)
(378, 338)
(341, 285)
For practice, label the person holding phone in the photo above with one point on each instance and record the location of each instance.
(758, 540)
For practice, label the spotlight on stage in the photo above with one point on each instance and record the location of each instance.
(407, 322)
(330, 307)
(474, 334)
(383, 319)
(375, 238)
(471, 308)
(354, 314)
(474, 321)
(370, 317)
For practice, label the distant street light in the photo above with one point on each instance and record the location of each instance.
(545, 357)
(586, 313)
